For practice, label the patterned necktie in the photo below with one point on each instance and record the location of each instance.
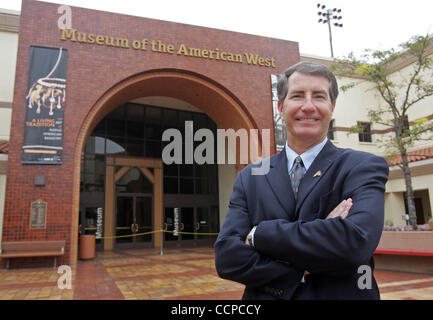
(298, 172)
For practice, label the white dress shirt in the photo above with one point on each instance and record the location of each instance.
(307, 157)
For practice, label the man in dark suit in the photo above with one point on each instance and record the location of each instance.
(304, 229)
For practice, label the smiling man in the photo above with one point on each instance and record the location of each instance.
(303, 230)
(307, 110)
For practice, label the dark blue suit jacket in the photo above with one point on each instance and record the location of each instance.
(294, 236)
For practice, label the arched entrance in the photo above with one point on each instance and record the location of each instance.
(216, 101)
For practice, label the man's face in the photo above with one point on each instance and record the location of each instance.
(307, 109)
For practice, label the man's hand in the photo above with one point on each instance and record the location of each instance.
(342, 210)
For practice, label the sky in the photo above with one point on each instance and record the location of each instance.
(367, 24)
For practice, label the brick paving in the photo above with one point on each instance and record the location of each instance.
(178, 274)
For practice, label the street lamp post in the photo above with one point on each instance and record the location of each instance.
(327, 16)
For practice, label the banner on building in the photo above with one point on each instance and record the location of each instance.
(45, 103)
(279, 125)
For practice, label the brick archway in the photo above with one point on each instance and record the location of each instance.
(213, 99)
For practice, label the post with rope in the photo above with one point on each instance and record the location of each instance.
(161, 253)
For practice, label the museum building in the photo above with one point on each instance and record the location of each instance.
(87, 107)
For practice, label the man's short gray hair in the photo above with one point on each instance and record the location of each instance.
(307, 68)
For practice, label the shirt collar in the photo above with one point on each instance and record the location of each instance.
(307, 157)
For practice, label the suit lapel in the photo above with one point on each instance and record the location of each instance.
(322, 162)
(279, 180)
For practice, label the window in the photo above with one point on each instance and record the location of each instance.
(364, 131)
(136, 130)
(331, 130)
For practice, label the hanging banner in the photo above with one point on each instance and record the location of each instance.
(279, 124)
(176, 222)
(45, 102)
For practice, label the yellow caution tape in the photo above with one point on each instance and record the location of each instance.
(156, 231)
(198, 233)
(130, 235)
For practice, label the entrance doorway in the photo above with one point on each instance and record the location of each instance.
(134, 217)
(133, 202)
(422, 205)
(194, 225)
(128, 143)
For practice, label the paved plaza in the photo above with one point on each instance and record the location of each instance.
(178, 274)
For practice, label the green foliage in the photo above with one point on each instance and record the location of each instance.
(389, 223)
(355, 129)
(365, 70)
(376, 66)
(430, 224)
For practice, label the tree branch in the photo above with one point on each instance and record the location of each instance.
(419, 55)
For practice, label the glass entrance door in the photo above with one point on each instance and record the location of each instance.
(133, 218)
(125, 218)
(143, 220)
(187, 224)
(203, 224)
(194, 224)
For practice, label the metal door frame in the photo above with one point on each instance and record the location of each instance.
(112, 175)
(195, 241)
(134, 244)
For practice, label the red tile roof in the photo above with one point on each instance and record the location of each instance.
(417, 155)
(4, 146)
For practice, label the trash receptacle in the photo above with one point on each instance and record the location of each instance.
(87, 246)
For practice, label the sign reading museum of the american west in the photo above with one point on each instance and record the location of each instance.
(45, 102)
(159, 46)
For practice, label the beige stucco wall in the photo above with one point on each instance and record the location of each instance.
(394, 208)
(352, 106)
(5, 123)
(422, 177)
(2, 202)
(420, 109)
(8, 59)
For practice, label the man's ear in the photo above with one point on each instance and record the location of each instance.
(333, 106)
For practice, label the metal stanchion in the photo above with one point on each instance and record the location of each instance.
(161, 253)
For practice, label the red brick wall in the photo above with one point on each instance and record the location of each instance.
(92, 70)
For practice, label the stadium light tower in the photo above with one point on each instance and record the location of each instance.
(327, 15)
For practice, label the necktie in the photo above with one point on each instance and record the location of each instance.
(298, 172)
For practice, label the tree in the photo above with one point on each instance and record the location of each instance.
(399, 93)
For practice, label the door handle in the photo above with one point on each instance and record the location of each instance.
(165, 226)
(182, 226)
(133, 226)
(197, 226)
